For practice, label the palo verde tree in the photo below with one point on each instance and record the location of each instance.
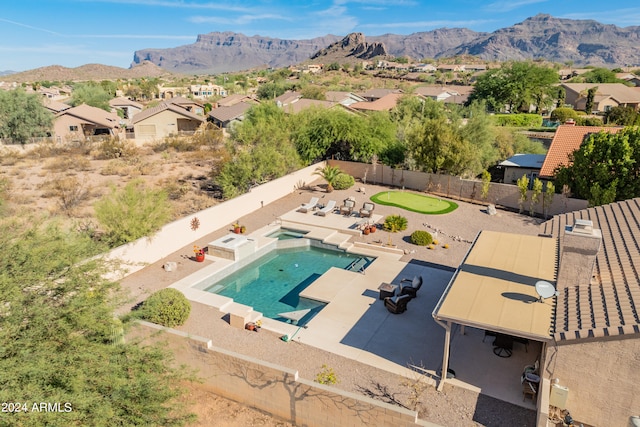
(606, 167)
(91, 94)
(62, 344)
(23, 116)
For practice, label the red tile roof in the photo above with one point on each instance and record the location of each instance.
(385, 103)
(566, 140)
(610, 304)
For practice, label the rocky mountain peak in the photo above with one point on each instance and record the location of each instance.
(353, 45)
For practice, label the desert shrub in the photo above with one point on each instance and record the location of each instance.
(518, 120)
(327, 376)
(65, 163)
(421, 238)
(69, 190)
(343, 181)
(167, 307)
(114, 148)
(132, 213)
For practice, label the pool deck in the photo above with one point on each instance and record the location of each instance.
(355, 323)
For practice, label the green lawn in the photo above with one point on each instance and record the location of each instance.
(414, 202)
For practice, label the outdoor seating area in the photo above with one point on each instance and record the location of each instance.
(306, 207)
(397, 304)
(411, 286)
(347, 207)
(329, 207)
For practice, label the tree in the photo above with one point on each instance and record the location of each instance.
(516, 85)
(486, 184)
(536, 191)
(91, 94)
(330, 174)
(605, 168)
(131, 213)
(523, 188)
(393, 224)
(562, 95)
(562, 114)
(591, 94)
(623, 116)
(62, 343)
(22, 116)
(547, 197)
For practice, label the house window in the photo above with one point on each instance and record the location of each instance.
(73, 128)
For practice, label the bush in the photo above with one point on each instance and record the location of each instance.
(343, 181)
(114, 148)
(518, 120)
(421, 238)
(589, 121)
(562, 114)
(167, 307)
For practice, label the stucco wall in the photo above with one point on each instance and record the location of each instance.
(454, 187)
(603, 378)
(275, 389)
(178, 234)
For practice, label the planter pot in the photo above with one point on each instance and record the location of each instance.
(236, 230)
(372, 229)
(366, 231)
(200, 257)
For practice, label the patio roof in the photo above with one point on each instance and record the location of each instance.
(494, 287)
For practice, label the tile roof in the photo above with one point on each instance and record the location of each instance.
(163, 106)
(385, 103)
(230, 100)
(121, 101)
(225, 114)
(378, 93)
(621, 93)
(55, 106)
(92, 115)
(566, 140)
(610, 304)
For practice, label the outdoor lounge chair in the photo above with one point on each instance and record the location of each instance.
(330, 207)
(347, 207)
(312, 204)
(410, 286)
(367, 210)
(397, 304)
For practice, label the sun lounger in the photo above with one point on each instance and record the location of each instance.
(331, 205)
(312, 204)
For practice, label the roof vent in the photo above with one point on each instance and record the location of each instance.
(570, 122)
(583, 226)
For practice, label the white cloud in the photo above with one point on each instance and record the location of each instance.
(508, 6)
(239, 20)
(429, 24)
(620, 17)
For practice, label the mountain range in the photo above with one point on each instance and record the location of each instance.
(581, 42)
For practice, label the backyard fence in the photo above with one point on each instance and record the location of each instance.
(453, 187)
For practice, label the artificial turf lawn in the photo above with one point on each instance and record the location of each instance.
(414, 202)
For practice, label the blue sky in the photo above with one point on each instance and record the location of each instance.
(38, 33)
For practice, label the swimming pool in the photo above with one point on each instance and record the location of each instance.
(272, 283)
(285, 234)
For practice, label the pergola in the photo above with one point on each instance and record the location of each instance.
(494, 289)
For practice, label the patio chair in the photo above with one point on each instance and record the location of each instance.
(397, 304)
(330, 207)
(306, 206)
(411, 286)
(367, 210)
(347, 207)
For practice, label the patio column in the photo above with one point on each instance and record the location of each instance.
(445, 356)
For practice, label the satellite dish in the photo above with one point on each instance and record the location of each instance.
(545, 290)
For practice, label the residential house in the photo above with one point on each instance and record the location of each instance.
(519, 165)
(54, 106)
(453, 68)
(629, 77)
(128, 107)
(207, 91)
(422, 68)
(385, 103)
(224, 117)
(374, 94)
(190, 105)
(574, 290)
(83, 121)
(607, 96)
(344, 98)
(289, 97)
(230, 100)
(566, 140)
(165, 119)
(171, 92)
(304, 103)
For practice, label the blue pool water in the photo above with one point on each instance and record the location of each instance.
(272, 283)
